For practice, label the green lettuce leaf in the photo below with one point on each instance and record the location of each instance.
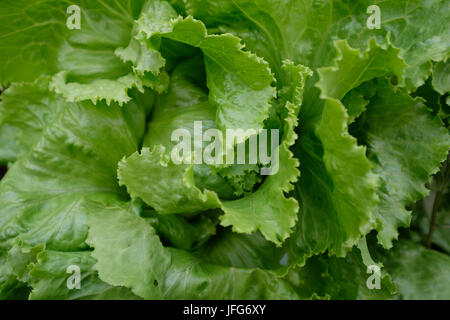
(440, 236)
(305, 33)
(20, 257)
(434, 229)
(29, 38)
(50, 274)
(10, 286)
(441, 77)
(267, 209)
(152, 271)
(303, 30)
(329, 277)
(420, 273)
(356, 100)
(9, 149)
(176, 191)
(186, 102)
(25, 109)
(86, 118)
(105, 27)
(43, 194)
(239, 82)
(180, 232)
(395, 126)
(337, 188)
(83, 60)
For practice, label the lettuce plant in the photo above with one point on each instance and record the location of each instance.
(94, 205)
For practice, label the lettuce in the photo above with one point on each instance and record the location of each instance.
(244, 149)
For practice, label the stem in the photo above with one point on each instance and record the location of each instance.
(433, 217)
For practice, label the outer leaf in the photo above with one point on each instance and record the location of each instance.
(140, 242)
(266, 210)
(88, 65)
(337, 188)
(341, 278)
(178, 275)
(187, 102)
(396, 126)
(418, 272)
(303, 30)
(10, 287)
(169, 188)
(353, 68)
(38, 41)
(43, 194)
(50, 276)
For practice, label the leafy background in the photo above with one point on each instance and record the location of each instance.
(363, 179)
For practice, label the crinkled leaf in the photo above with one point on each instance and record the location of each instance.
(441, 76)
(153, 271)
(50, 278)
(304, 30)
(37, 40)
(337, 189)
(43, 193)
(239, 82)
(329, 277)
(25, 109)
(98, 89)
(180, 233)
(175, 191)
(29, 38)
(419, 273)
(266, 210)
(396, 126)
(186, 102)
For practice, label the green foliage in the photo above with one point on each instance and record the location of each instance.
(86, 123)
